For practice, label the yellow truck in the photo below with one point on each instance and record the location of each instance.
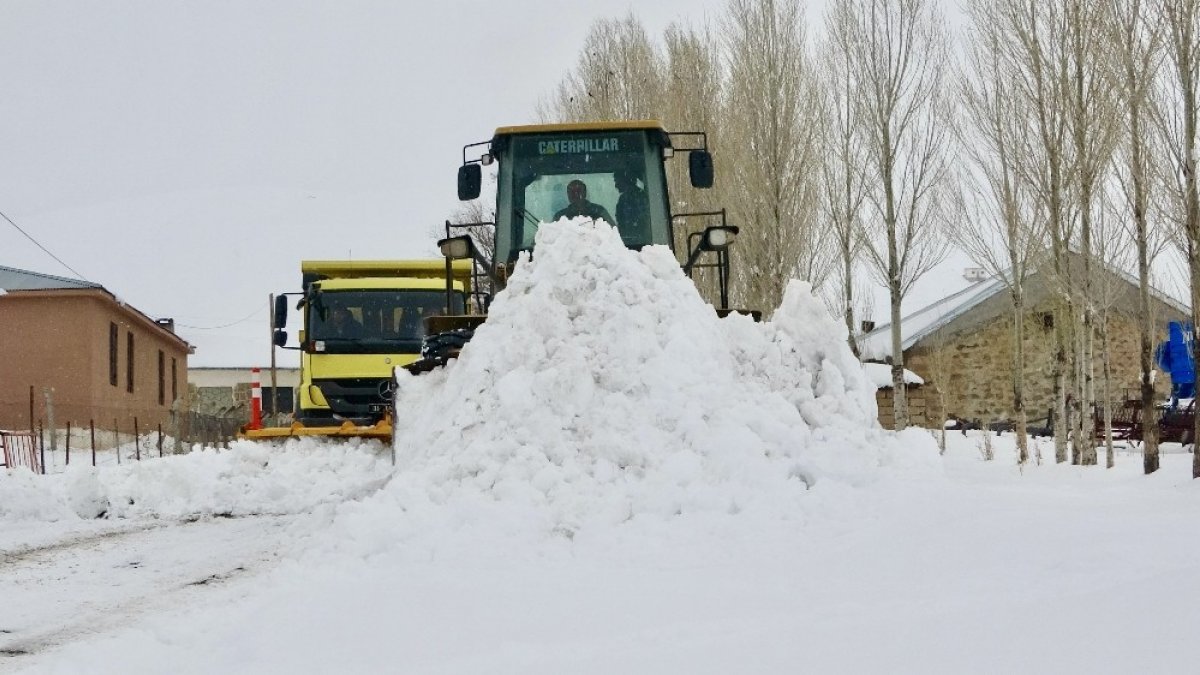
(359, 320)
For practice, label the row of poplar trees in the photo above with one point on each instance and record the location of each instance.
(1048, 135)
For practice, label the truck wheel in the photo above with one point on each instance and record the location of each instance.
(446, 345)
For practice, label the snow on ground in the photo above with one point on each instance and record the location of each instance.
(612, 480)
(249, 478)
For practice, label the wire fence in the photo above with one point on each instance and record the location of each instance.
(115, 439)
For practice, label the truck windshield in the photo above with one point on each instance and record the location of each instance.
(375, 321)
(615, 176)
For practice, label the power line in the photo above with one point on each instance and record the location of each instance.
(244, 319)
(39, 245)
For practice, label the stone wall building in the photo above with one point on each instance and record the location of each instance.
(964, 344)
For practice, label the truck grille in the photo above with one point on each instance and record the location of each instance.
(357, 397)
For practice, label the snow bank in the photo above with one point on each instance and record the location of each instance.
(603, 389)
(247, 478)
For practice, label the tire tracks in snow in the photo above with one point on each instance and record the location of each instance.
(91, 583)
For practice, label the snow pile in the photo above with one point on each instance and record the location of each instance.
(247, 478)
(603, 388)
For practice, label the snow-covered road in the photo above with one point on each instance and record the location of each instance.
(87, 584)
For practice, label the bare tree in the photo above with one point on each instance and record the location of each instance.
(900, 52)
(844, 160)
(1136, 44)
(1032, 38)
(1091, 114)
(618, 76)
(1181, 21)
(692, 102)
(771, 139)
(1004, 225)
(1110, 290)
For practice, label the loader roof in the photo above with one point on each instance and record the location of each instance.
(616, 125)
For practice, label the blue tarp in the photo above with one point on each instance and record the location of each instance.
(1175, 356)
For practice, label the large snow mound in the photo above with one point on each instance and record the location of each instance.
(603, 388)
(248, 478)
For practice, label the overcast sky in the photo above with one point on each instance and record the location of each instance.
(187, 155)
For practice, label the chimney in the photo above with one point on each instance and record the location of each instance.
(868, 326)
(168, 324)
(975, 274)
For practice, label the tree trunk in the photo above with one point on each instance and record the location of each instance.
(848, 296)
(1059, 372)
(900, 394)
(1018, 383)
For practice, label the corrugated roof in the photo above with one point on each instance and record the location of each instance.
(13, 279)
(878, 343)
(922, 323)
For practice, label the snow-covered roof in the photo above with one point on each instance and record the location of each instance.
(877, 344)
(13, 279)
(922, 323)
(880, 374)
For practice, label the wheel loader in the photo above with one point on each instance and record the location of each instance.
(612, 171)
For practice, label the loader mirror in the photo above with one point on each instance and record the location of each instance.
(281, 311)
(280, 338)
(700, 168)
(470, 178)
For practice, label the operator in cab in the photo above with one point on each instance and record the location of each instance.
(633, 207)
(342, 324)
(580, 206)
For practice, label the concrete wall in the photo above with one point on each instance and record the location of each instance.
(230, 377)
(59, 341)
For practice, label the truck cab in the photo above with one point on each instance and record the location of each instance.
(361, 320)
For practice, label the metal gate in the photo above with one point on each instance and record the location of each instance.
(20, 449)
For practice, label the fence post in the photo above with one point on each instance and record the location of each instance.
(92, 428)
(68, 443)
(42, 447)
(160, 439)
(175, 427)
(137, 440)
(49, 395)
(117, 440)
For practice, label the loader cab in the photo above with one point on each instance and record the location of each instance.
(620, 166)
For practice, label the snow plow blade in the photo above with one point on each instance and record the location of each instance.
(381, 430)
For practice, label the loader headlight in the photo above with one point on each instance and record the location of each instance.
(457, 248)
(719, 237)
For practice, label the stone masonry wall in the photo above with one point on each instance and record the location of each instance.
(924, 406)
(973, 369)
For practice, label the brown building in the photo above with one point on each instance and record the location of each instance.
(963, 344)
(86, 356)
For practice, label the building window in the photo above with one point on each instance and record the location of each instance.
(129, 362)
(174, 382)
(162, 378)
(112, 354)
